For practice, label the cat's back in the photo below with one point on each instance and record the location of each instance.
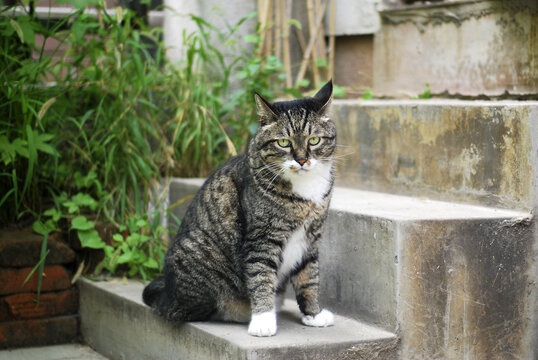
(216, 205)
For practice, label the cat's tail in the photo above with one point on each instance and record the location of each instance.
(153, 291)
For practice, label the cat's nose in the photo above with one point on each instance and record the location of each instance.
(301, 161)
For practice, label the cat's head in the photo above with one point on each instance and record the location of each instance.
(297, 136)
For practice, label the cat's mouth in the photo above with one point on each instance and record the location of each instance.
(299, 170)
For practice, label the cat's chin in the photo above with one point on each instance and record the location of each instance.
(300, 172)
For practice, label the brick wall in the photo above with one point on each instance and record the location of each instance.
(23, 320)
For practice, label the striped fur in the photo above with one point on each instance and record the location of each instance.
(255, 223)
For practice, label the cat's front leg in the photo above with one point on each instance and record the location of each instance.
(261, 280)
(305, 281)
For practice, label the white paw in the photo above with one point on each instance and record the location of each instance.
(263, 324)
(324, 318)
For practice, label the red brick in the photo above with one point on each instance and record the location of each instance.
(11, 280)
(38, 332)
(25, 306)
(19, 248)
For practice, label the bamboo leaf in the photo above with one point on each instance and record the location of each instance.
(18, 29)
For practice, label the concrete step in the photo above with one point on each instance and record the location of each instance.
(452, 280)
(480, 152)
(53, 352)
(116, 323)
(470, 48)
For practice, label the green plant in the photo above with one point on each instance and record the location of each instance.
(88, 133)
(367, 95)
(427, 94)
(137, 246)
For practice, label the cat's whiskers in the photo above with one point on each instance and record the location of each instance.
(273, 179)
(268, 166)
(340, 156)
(268, 169)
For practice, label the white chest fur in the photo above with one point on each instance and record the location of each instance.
(292, 253)
(313, 184)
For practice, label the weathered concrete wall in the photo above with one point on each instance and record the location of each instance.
(470, 48)
(469, 151)
(353, 63)
(465, 290)
(217, 13)
(354, 17)
(358, 276)
(532, 337)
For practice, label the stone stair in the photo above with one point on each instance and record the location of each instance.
(430, 250)
(423, 269)
(116, 323)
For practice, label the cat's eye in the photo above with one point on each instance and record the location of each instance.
(283, 142)
(314, 140)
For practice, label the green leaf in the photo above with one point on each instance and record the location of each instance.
(7, 150)
(6, 196)
(133, 270)
(241, 74)
(27, 29)
(303, 83)
(80, 200)
(81, 223)
(79, 29)
(427, 94)
(293, 91)
(71, 206)
(90, 239)
(254, 39)
(43, 228)
(109, 250)
(321, 62)
(79, 4)
(141, 223)
(133, 239)
(295, 23)
(338, 91)
(151, 263)
(41, 143)
(18, 29)
(117, 237)
(54, 213)
(125, 257)
(21, 147)
(367, 95)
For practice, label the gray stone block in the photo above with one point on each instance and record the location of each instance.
(466, 48)
(453, 280)
(467, 151)
(115, 322)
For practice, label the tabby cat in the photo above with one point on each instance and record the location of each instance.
(255, 224)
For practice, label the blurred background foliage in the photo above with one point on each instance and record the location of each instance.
(90, 132)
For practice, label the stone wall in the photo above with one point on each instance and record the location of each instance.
(25, 320)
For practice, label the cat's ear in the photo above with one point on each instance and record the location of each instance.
(324, 96)
(265, 110)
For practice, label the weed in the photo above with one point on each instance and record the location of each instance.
(427, 94)
(87, 134)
